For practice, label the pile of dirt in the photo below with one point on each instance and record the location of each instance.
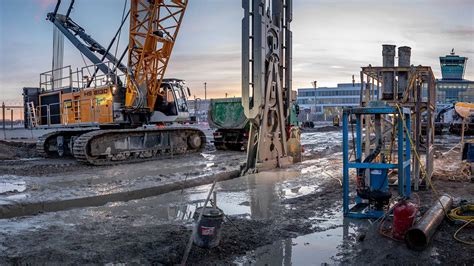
(16, 150)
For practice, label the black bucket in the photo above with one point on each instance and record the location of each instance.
(207, 233)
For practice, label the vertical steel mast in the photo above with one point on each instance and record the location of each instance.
(154, 26)
(266, 80)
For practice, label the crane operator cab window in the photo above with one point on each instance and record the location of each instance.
(180, 97)
(171, 99)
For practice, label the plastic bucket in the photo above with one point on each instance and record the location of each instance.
(207, 233)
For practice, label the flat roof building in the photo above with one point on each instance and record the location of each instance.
(323, 103)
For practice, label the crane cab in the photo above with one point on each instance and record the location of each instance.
(171, 104)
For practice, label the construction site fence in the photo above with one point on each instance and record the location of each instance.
(12, 115)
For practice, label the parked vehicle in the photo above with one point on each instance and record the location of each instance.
(227, 117)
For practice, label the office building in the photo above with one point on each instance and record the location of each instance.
(322, 103)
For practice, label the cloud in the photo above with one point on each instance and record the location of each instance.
(220, 70)
(332, 39)
(43, 6)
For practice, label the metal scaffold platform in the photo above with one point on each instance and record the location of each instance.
(373, 194)
(406, 86)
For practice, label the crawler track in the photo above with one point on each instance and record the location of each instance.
(47, 145)
(105, 147)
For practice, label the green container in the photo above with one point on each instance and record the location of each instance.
(227, 113)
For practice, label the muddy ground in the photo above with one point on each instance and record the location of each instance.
(290, 216)
(15, 150)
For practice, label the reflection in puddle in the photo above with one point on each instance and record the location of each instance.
(299, 191)
(254, 196)
(328, 246)
(17, 196)
(183, 212)
(317, 142)
(12, 186)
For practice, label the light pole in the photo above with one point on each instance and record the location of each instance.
(205, 91)
(315, 84)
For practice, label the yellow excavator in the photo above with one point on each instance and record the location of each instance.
(108, 112)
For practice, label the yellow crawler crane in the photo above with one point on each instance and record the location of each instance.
(109, 112)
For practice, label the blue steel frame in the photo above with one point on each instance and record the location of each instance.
(403, 165)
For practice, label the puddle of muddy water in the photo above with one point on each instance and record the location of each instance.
(13, 186)
(254, 196)
(328, 246)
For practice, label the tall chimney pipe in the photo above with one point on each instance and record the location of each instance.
(404, 54)
(388, 53)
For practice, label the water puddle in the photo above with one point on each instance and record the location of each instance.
(298, 191)
(329, 246)
(23, 159)
(255, 196)
(208, 156)
(12, 186)
(15, 197)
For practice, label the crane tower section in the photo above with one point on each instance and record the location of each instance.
(154, 26)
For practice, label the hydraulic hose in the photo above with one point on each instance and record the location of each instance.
(378, 148)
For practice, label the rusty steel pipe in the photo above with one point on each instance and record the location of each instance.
(420, 235)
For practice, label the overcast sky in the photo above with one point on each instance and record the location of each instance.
(332, 39)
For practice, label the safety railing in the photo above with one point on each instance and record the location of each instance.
(56, 79)
(74, 112)
(85, 77)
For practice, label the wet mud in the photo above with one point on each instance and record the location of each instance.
(287, 217)
(15, 150)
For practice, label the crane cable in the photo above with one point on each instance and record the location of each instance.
(455, 214)
(120, 32)
(132, 78)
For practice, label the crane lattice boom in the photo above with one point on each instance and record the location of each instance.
(154, 26)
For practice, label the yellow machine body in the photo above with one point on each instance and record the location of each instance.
(90, 105)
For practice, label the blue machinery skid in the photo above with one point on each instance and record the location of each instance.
(371, 199)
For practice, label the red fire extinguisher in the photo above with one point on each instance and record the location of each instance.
(403, 217)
